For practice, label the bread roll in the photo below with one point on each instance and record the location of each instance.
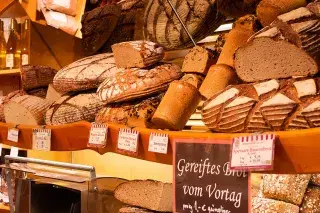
(176, 107)
(217, 79)
(265, 205)
(311, 201)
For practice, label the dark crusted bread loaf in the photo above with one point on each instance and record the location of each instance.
(290, 46)
(149, 194)
(138, 54)
(134, 114)
(237, 8)
(267, 106)
(311, 200)
(73, 108)
(86, 73)
(36, 76)
(264, 205)
(39, 92)
(135, 83)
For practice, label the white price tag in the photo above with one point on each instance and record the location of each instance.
(128, 140)
(41, 139)
(13, 135)
(253, 152)
(14, 151)
(98, 135)
(0, 149)
(158, 143)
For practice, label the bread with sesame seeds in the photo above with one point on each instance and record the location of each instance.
(265, 205)
(311, 201)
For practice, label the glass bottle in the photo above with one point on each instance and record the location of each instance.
(12, 50)
(24, 44)
(2, 47)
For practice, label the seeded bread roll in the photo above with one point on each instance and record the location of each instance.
(265, 205)
(176, 107)
(36, 76)
(311, 201)
(315, 179)
(198, 60)
(217, 79)
(288, 188)
(137, 54)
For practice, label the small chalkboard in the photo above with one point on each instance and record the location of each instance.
(203, 181)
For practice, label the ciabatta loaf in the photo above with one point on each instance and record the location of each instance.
(36, 76)
(137, 54)
(136, 83)
(148, 194)
(265, 205)
(266, 106)
(311, 200)
(86, 73)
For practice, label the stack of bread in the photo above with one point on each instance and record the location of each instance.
(288, 194)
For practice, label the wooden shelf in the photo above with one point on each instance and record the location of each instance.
(4, 208)
(10, 72)
(296, 151)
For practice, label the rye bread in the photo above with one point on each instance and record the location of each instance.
(35, 76)
(148, 194)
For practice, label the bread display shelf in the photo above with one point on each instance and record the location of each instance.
(296, 151)
(10, 72)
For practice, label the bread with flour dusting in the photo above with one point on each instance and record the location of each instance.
(266, 106)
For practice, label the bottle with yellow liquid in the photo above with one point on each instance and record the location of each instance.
(13, 50)
(2, 47)
(24, 44)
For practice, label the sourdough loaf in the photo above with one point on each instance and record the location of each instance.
(86, 73)
(35, 76)
(265, 205)
(135, 83)
(137, 54)
(162, 26)
(176, 107)
(287, 188)
(198, 60)
(315, 179)
(134, 114)
(39, 92)
(311, 201)
(73, 108)
(149, 194)
(288, 47)
(267, 106)
(26, 109)
(237, 8)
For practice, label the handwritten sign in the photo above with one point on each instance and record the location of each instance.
(158, 143)
(41, 139)
(253, 152)
(98, 135)
(13, 135)
(128, 140)
(203, 181)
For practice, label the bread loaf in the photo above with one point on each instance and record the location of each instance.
(86, 73)
(265, 205)
(137, 54)
(68, 7)
(193, 79)
(311, 201)
(148, 194)
(53, 94)
(5, 99)
(26, 109)
(161, 25)
(217, 79)
(131, 209)
(198, 60)
(273, 105)
(134, 114)
(288, 47)
(73, 108)
(288, 188)
(36, 76)
(315, 179)
(176, 107)
(135, 83)
(97, 27)
(39, 92)
(237, 8)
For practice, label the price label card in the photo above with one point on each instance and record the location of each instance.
(41, 139)
(158, 143)
(14, 151)
(98, 135)
(0, 149)
(128, 140)
(13, 135)
(255, 152)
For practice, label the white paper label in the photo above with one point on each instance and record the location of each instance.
(158, 143)
(41, 139)
(24, 59)
(0, 149)
(253, 152)
(9, 60)
(13, 135)
(60, 17)
(62, 3)
(14, 151)
(128, 140)
(98, 135)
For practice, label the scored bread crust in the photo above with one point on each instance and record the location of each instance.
(35, 76)
(266, 106)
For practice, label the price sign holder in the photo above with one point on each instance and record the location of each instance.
(158, 143)
(13, 134)
(254, 153)
(41, 139)
(98, 135)
(128, 141)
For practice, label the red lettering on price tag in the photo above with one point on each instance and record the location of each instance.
(255, 152)
(128, 140)
(98, 135)
(158, 143)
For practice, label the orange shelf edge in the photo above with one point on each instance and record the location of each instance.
(296, 151)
